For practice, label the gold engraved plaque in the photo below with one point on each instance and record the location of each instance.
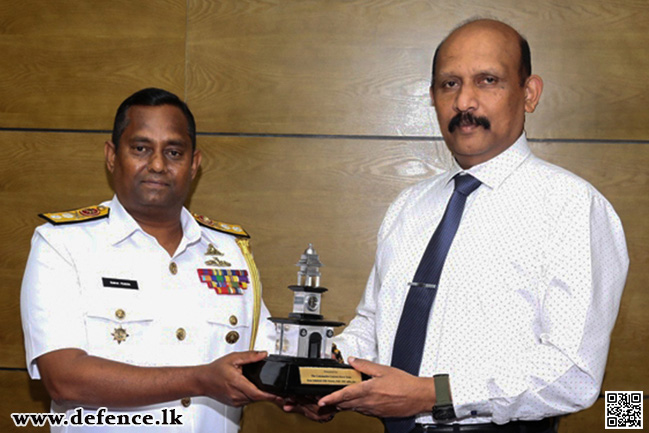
(329, 376)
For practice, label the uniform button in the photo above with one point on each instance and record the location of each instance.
(233, 320)
(120, 314)
(232, 337)
(173, 268)
(181, 334)
(186, 401)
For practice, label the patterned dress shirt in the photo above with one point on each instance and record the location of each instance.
(527, 298)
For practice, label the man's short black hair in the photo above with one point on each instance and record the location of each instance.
(524, 69)
(151, 97)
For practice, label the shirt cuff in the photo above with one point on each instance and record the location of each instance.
(470, 398)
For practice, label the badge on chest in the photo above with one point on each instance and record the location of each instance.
(222, 281)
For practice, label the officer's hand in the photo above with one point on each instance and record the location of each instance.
(223, 380)
(389, 393)
(309, 408)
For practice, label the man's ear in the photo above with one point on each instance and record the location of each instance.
(197, 157)
(109, 154)
(533, 90)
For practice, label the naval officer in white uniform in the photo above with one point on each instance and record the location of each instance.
(138, 305)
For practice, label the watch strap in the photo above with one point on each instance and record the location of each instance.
(443, 409)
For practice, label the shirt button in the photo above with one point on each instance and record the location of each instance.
(181, 334)
(186, 401)
(232, 337)
(233, 320)
(173, 268)
(120, 314)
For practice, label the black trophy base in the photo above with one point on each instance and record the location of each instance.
(288, 376)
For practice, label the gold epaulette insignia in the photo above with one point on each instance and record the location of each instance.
(76, 216)
(232, 229)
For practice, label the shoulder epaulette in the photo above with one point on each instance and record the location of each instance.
(76, 216)
(232, 229)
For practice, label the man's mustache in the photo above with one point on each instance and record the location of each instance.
(465, 118)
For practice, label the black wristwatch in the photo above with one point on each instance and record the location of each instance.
(443, 409)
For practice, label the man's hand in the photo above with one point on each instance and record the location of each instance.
(389, 393)
(309, 408)
(224, 381)
(73, 377)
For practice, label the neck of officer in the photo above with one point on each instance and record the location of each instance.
(468, 161)
(164, 226)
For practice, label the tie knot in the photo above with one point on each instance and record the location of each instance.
(466, 184)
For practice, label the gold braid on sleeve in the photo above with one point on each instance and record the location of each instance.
(244, 245)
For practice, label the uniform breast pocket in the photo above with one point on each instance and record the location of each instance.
(229, 331)
(121, 332)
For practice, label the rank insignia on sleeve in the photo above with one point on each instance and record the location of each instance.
(232, 229)
(76, 216)
(214, 259)
(225, 281)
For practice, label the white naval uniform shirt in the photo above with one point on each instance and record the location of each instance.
(527, 298)
(65, 304)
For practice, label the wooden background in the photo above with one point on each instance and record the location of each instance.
(313, 115)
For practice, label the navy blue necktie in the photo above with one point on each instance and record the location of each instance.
(413, 325)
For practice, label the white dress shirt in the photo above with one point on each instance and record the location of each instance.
(527, 298)
(171, 319)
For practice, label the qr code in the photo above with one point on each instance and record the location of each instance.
(624, 409)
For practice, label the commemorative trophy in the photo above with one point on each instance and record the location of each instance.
(303, 363)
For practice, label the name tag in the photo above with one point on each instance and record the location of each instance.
(116, 283)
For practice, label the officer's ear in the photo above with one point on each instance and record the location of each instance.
(197, 157)
(109, 154)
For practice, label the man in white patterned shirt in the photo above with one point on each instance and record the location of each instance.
(523, 310)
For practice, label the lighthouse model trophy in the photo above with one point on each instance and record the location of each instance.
(303, 362)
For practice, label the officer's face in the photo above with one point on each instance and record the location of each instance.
(153, 166)
(478, 96)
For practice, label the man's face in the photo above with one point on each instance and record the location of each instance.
(153, 166)
(477, 93)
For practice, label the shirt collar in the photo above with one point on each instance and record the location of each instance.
(191, 230)
(493, 172)
(121, 224)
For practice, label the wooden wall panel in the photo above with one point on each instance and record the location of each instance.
(18, 394)
(68, 64)
(309, 67)
(39, 172)
(363, 67)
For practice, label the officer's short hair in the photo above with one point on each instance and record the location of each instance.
(151, 97)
